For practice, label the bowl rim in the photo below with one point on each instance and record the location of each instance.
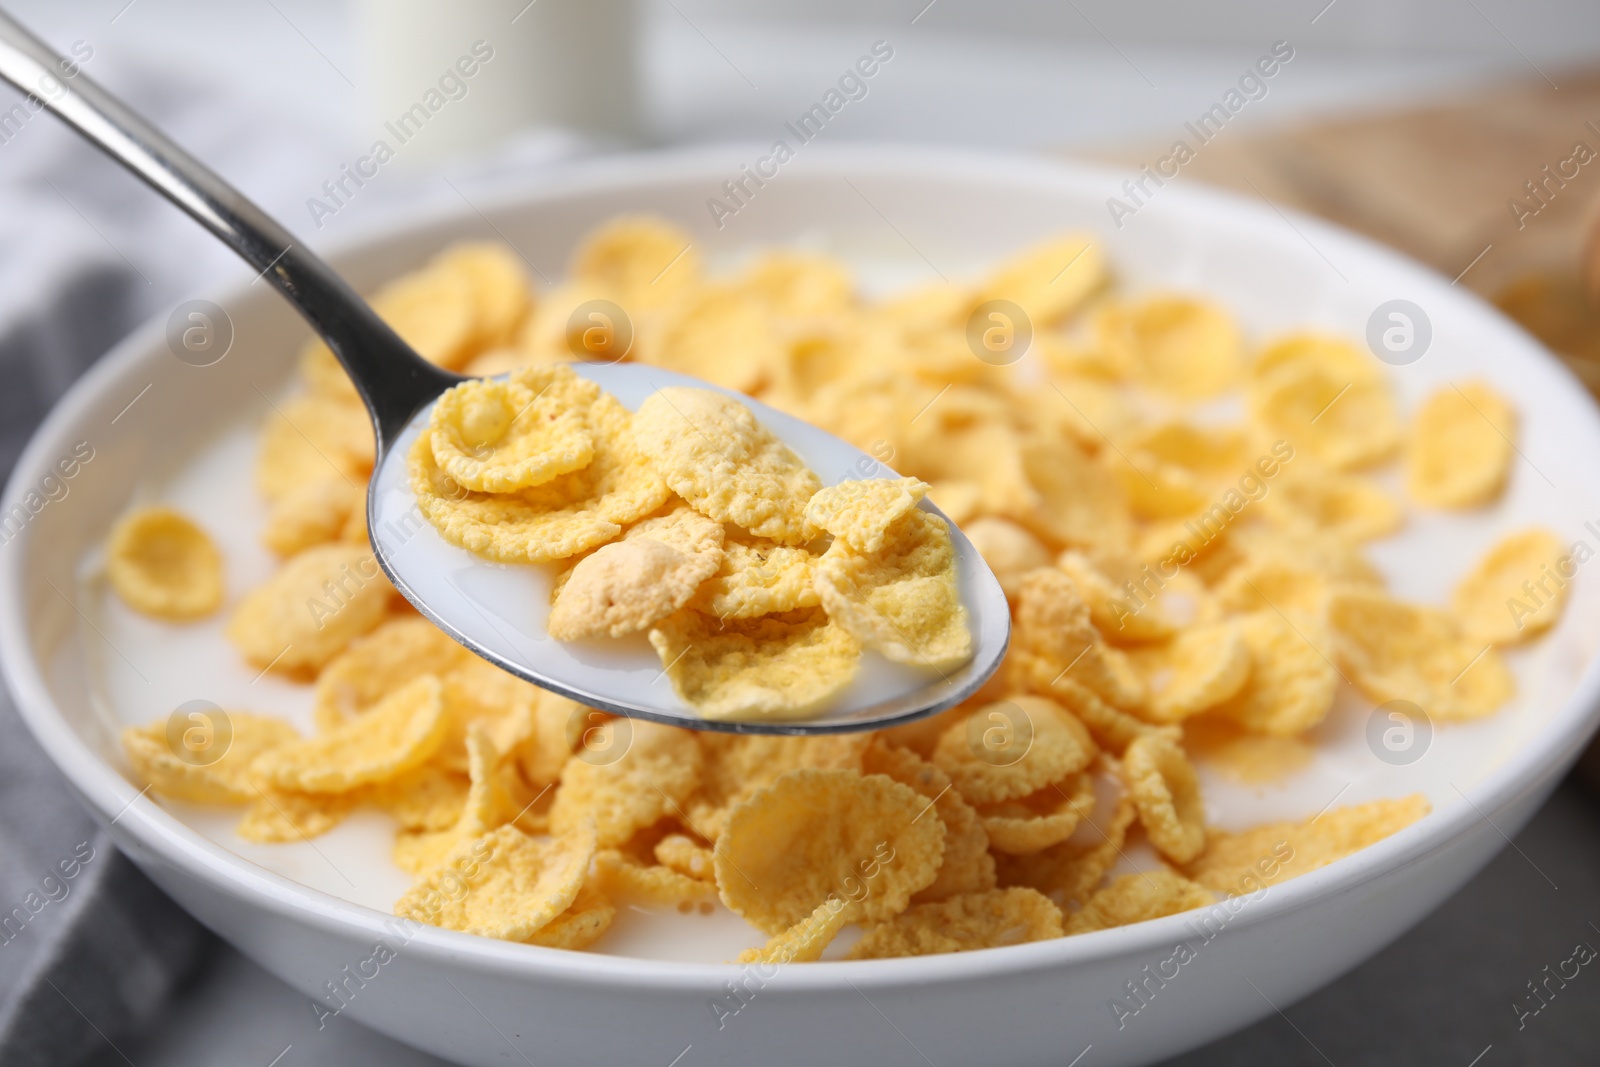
(112, 799)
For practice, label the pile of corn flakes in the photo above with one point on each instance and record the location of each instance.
(1186, 585)
(545, 466)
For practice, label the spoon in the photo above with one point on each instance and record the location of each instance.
(495, 610)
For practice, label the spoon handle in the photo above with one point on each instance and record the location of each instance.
(391, 378)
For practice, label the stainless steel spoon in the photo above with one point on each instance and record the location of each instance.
(497, 611)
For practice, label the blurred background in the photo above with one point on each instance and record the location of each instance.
(1450, 129)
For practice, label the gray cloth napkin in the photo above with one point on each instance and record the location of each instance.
(90, 950)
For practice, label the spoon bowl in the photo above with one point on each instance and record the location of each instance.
(497, 611)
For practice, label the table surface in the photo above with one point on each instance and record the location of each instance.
(1445, 992)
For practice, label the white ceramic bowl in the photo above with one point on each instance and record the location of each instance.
(905, 213)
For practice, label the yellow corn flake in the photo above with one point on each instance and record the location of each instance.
(1246, 862)
(501, 298)
(1397, 651)
(503, 885)
(495, 796)
(1137, 898)
(817, 835)
(313, 437)
(860, 511)
(1111, 728)
(314, 513)
(1054, 624)
(1071, 870)
(1176, 469)
(719, 335)
(644, 261)
(204, 759)
(1246, 758)
(1009, 550)
(758, 578)
(784, 666)
(162, 564)
(1198, 669)
(1517, 590)
(1049, 281)
(581, 925)
(1274, 585)
(428, 799)
(479, 693)
(1041, 819)
(1166, 790)
(902, 601)
(311, 609)
(1459, 453)
(561, 518)
(374, 666)
(1292, 683)
(1123, 617)
(1075, 500)
(496, 437)
(805, 941)
(1011, 748)
(559, 725)
(652, 779)
(1346, 421)
(711, 451)
(1173, 345)
(736, 766)
(800, 286)
(624, 587)
(623, 879)
(957, 498)
(397, 735)
(990, 919)
(1345, 505)
(967, 866)
(681, 853)
(281, 816)
(1288, 355)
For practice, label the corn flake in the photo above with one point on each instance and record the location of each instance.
(902, 601)
(1139, 897)
(775, 667)
(815, 835)
(1198, 669)
(653, 778)
(1398, 651)
(162, 564)
(563, 517)
(1166, 790)
(1459, 454)
(711, 451)
(496, 437)
(504, 884)
(1041, 819)
(1011, 748)
(399, 734)
(989, 919)
(758, 578)
(311, 609)
(1245, 862)
(1516, 591)
(967, 866)
(861, 511)
(192, 774)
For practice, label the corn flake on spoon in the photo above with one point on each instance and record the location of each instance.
(496, 610)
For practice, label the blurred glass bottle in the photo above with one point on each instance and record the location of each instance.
(482, 70)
